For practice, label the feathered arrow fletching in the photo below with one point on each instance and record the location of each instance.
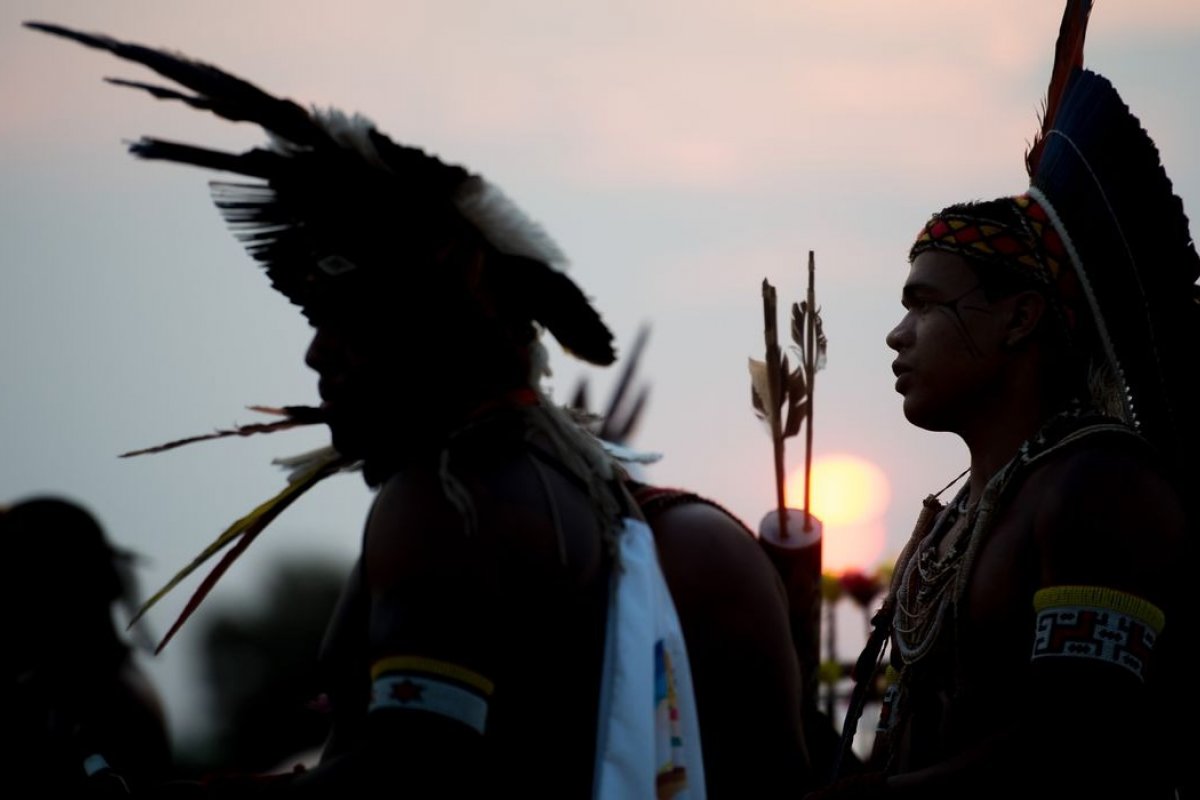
(781, 396)
(779, 393)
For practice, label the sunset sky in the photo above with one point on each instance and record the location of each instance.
(679, 152)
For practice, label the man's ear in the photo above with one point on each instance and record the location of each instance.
(1028, 308)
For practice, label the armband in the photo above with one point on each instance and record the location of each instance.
(426, 684)
(1092, 622)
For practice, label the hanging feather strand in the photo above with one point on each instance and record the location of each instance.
(294, 416)
(1068, 57)
(247, 528)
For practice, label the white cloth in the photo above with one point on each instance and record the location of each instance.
(643, 735)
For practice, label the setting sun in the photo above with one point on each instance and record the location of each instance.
(849, 496)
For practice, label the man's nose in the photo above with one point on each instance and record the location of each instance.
(318, 349)
(898, 336)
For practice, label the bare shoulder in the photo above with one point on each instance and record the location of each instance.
(412, 526)
(724, 586)
(709, 547)
(449, 552)
(500, 505)
(1108, 515)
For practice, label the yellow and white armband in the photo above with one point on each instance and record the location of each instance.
(415, 683)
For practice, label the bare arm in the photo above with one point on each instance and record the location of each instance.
(1108, 531)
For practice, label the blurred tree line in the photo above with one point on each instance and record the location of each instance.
(259, 667)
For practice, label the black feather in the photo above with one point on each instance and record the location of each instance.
(230, 97)
(620, 396)
(339, 197)
(553, 300)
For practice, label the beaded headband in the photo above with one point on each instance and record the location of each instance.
(1031, 247)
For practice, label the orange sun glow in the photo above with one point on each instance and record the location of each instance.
(849, 496)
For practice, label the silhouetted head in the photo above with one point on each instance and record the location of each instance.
(64, 578)
(1018, 279)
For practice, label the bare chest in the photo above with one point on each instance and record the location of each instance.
(995, 623)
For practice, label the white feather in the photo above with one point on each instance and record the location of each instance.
(300, 463)
(350, 131)
(504, 225)
(509, 229)
(628, 455)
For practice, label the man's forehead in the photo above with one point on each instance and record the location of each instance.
(939, 271)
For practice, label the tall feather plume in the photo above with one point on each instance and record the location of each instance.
(223, 94)
(1068, 57)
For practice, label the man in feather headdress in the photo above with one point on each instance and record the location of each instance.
(507, 628)
(1036, 620)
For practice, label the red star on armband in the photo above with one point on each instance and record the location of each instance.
(407, 691)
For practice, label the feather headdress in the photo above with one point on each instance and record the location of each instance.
(336, 212)
(335, 204)
(1098, 174)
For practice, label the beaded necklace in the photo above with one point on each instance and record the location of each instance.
(923, 594)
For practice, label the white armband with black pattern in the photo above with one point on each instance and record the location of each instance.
(1093, 622)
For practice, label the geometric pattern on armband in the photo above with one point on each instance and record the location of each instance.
(1096, 623)
(415, 683)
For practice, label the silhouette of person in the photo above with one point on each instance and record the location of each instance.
(82, 710)
(1035, 620)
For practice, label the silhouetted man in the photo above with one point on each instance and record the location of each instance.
(1035, 622)
(507, 628)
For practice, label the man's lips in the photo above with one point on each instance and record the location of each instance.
(328, 392)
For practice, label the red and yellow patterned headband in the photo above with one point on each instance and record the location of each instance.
(1027, 243)
(1032, 244)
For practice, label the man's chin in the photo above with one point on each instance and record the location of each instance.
(348, 440)
(923, 417)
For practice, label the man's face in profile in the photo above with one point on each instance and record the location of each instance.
(947, 344)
